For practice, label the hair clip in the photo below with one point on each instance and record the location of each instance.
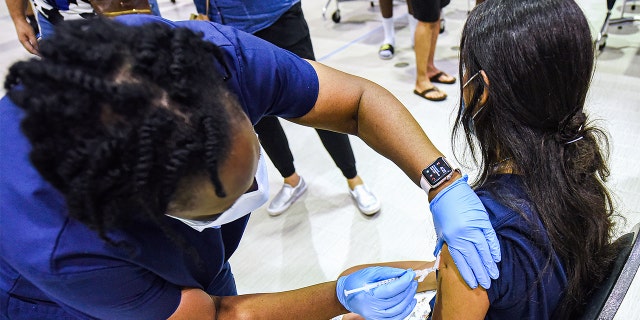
(575, 140)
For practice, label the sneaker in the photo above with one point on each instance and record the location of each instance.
(367, 202)
(286, 197)
(386, 51)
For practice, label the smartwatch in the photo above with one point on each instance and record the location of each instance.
(436, 174)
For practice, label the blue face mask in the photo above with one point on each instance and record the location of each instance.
(471, 124)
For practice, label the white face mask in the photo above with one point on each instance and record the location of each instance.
(247, 203)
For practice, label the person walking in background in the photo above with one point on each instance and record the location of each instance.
(283, 24)
(387, 48)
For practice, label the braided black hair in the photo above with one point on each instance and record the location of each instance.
(534, 116)
(117, 115)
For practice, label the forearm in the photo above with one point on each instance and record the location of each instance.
(388, 127)
(25, 33)
(314, 302)
(17, 9)
(357, 106)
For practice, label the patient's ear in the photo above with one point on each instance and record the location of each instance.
(485, 92)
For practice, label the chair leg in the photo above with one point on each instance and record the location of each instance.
(601, 40)
(336, 14)
(324, 9)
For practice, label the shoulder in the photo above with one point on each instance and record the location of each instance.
(531, 275)
(505, 199)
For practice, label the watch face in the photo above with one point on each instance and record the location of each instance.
(437, 171)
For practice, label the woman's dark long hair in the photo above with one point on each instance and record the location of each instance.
(117, 115)
(538, 56)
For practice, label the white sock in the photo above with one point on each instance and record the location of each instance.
(413, 22)
(389, 31)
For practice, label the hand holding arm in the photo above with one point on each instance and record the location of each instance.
(462, 222)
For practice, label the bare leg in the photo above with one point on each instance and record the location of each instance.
(354, 182)
(386, 8)
(292, 180)
(425, 38)
(431, 67)
(386, 50)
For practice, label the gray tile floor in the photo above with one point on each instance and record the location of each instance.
(323, 233)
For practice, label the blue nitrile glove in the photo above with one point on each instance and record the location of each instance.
(462, 222)
(394, 300)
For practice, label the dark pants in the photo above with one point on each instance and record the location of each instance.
(428, 10)
(292, 33)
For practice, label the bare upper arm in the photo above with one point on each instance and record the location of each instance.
(336, 107)
(454, 299)
(195, 304)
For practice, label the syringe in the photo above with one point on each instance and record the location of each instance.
(420, 274)
(368, 286)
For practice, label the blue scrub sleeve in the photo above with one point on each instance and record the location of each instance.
(280, 82)
(266, 79)
(123, 292)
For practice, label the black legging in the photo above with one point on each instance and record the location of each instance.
(291, 32)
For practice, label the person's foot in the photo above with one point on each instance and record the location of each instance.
(366, 201)
(432, 94)
(386, 51)
(286, 197)
(442, 77)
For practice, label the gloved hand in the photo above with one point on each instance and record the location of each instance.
(462, 222)
(394, 300)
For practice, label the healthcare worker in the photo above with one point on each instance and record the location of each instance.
(129, 168)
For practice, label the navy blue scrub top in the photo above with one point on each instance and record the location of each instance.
(54, 267)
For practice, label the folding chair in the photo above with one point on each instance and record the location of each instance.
(601, 39)
(606, 300)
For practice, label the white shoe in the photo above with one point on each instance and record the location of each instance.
(286, 197)
(367, 202)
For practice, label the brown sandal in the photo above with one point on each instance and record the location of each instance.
(436, 78)
(424, 94)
